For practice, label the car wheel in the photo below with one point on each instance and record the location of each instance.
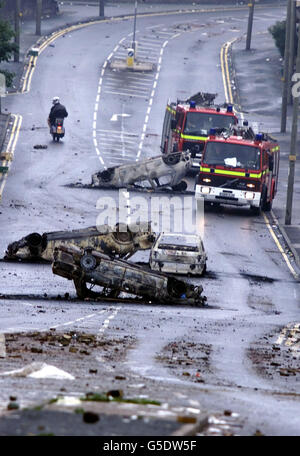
(171, 159)
(88, 262)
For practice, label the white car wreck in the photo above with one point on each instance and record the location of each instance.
(178, 254)
(165, 171)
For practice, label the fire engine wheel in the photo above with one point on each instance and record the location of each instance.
(181, 187)
(265, 205)
(172, 159)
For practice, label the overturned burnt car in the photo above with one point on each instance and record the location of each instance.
(156, 173)
(122, 241)
(86, 266)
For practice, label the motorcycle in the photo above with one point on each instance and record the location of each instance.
(57, 130)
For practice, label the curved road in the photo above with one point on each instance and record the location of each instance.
(213, 359)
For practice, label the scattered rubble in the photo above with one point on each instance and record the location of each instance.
(191, 360)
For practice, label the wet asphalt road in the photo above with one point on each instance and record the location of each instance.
(251, 294)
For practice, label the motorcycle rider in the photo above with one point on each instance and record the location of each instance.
(58, 111)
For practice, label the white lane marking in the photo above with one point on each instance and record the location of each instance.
(130, 91)
(68, 323)
(114, 117)
(126, 94)
(107, 321)
(154, 26)
(137, 81)
(128, 133)
(2, 346)
(112, 141)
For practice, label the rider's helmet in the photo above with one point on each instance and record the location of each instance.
(55, 100)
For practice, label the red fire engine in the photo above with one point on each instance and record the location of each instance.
(187, 124)
(239, 168)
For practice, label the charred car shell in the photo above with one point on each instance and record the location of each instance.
(178, 254)
(162, 171)
(115, 276)
(123, 241)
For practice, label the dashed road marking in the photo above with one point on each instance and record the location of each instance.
(2, 346)
(107, 321)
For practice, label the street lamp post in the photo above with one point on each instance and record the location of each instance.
(250, 24)
(101, 8)
(134, 26)
(286, 81)
(17, 29)
(292, 51)
(38, 17)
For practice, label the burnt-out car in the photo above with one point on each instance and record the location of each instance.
(165, 171)
(121, 240)
(88, 268)
(178, 254)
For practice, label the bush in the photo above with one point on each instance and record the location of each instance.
(278, 33)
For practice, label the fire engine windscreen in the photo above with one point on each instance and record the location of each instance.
(200, 123)
(232, 155)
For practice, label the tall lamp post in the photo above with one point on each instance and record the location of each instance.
(250, 24)
(134, 26)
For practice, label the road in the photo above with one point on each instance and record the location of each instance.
(210, 359)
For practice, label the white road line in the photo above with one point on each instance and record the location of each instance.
(135, 80)
(154, 26)
(113, 141)
(107, 321)
(68, 323)
(131, 88)
(140, 77)
(129, 133)
(2, 346)
(143, 44)
(122, 93)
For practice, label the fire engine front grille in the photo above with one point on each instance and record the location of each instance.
(228, 198)
(229, 182)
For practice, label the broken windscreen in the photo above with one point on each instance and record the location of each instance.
(200, 123)
(169, 241)
(232, 155)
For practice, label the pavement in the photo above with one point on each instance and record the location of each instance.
(258, 75)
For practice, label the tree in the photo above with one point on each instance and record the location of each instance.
(7, 48)
(278, 33)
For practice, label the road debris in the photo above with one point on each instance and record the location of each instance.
(165, 171)
(121, 240)
(115, 276)
(40, 146)
(39, 370)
